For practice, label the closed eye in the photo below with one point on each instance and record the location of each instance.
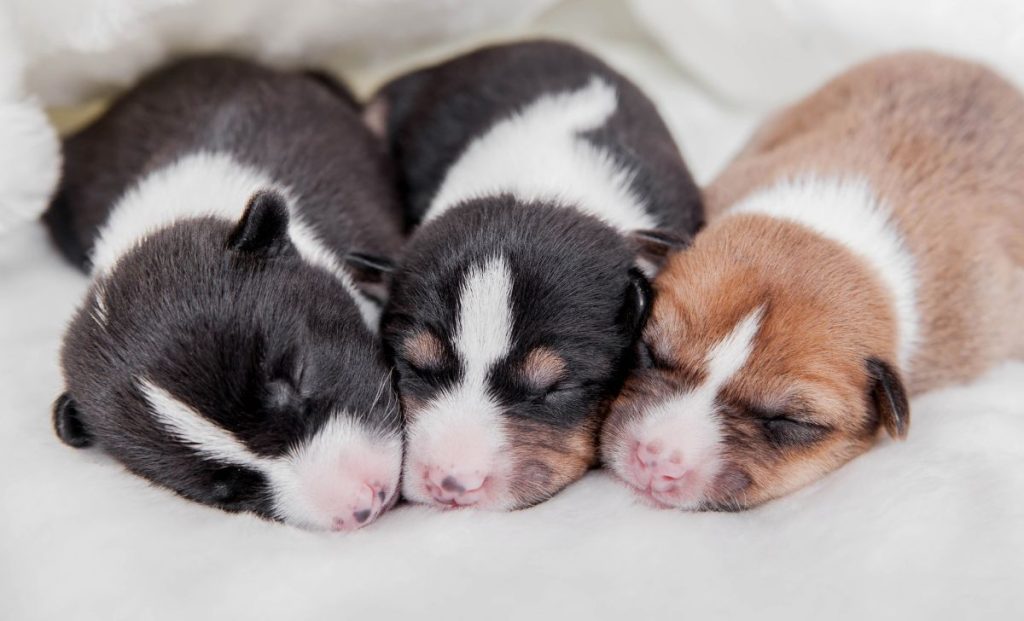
(647, 358)
(560, 389)
(784, 430)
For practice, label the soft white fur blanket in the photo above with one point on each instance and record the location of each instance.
(932, 528)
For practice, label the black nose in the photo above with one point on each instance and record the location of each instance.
(450, 484)
(361, 516)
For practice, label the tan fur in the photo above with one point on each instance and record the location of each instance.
(941, 143)
(424, 350)
(548, 459)
(543, 367)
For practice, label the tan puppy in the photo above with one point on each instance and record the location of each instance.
(868, 244)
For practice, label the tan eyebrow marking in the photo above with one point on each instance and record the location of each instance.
(424, 350)
(543, 367)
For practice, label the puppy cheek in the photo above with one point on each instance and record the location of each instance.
(798, 468)
(548, 458)
(411, 406)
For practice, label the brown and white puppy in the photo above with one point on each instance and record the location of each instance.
(867, 245)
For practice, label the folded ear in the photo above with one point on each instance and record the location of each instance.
(889, 398)
(636, 307)
(653, 246)
(263, 228)
(371, 273)
(68, 424)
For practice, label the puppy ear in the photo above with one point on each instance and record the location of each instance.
(263, 228)
(391, 106)
(653, 246)
(68, 424)
(371, 273)
(636, 307)
(888, 397)
(375, 116)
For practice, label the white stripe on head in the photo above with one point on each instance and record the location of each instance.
(198, 432)
(484, 332)
(729, 355)
(848, 212)
(207, 184)
(539, 154)
(688, 423)
(461, 430)
(311, 483)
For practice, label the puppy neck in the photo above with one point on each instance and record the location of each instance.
(848, 212)
(207, 184)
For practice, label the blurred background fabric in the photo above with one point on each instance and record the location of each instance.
(932, 528)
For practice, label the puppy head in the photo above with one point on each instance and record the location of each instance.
(214, 360)
(765, 364)
(509, 325)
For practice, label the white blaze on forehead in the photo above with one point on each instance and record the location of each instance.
(729, 355)
(848, 212)
(540, 154)
(485, 316)
(326, 473)
(688, 422)
(461, 429)
(207, 184)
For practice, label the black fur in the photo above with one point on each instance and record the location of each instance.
(225, 316)
(887, 397)
(434, 113)
(576, 288)
(574, 291)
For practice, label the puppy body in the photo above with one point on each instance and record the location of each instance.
(866, 245)
(226, 348)
(532, 170)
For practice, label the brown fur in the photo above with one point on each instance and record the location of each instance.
(547, 459)
(940, 141)
(543, 367)
(424, 350)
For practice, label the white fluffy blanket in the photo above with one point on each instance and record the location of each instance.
(932, 528)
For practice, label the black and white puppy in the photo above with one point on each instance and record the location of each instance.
(538, 178)
(226, 350)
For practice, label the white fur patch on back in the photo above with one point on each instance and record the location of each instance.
(215, 185)
(539, 154)
(848, 212)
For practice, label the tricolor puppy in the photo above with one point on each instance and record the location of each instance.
(539, 178)
(867, 245)
(225, 348)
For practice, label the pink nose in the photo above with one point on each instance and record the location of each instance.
(368, 507)
(453, 488)
(656, 468)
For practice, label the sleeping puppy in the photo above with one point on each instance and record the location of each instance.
(226, 349)
(543, 184)
(867, 245)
